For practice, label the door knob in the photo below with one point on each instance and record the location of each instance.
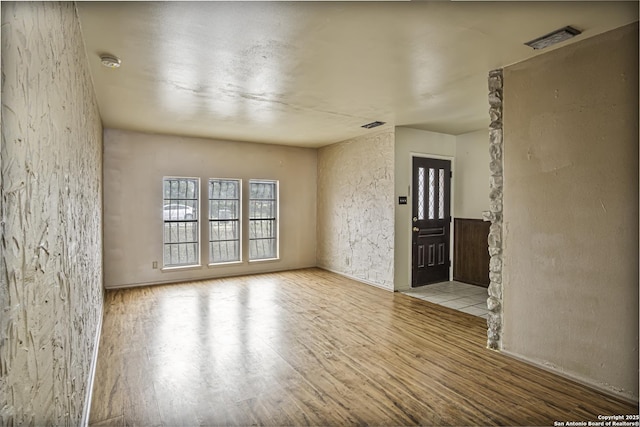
(416, 229)
(415, 219)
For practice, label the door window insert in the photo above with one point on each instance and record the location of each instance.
(420, 193)
(432, 179)
(441, 194)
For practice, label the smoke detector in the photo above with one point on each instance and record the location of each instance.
(110, 61)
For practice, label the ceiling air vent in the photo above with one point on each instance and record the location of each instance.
(372, 125)
(552, 38)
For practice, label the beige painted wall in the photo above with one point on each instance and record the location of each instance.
(134, 165)
(409, 142)
(472, 174)
(355, 208)
(571, 210)
(51, 292)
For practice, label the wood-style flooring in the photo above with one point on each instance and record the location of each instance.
(309, 347)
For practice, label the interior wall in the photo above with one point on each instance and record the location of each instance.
(571, 210)
(51, 291)
(355, 208)
(134, 165)
(472, 174)
(409, 142)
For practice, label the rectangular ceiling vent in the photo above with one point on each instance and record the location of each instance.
(552, 38)
(373, 125)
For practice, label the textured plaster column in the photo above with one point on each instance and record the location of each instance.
(494, 214)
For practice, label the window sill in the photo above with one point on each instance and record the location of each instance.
(224, 264)
(181, 268)
(256, 261)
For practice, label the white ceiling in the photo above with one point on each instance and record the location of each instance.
(310, 74)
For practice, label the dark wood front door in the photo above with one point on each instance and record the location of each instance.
(431, 222)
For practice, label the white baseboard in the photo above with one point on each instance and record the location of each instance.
(357, 279)
(603, 388)
(212, 277)
(92, 373)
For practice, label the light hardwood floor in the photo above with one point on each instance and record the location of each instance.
(309, 347)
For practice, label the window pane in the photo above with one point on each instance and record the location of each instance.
(176, 232)
(441, 194)
(225, 251)
(262, 229)
(223, 230)
(262, 190)
(432, 184)
(421, 193)
(262, 209)
(180, 253)
(223, 209)
(223, 189)
(262, 249)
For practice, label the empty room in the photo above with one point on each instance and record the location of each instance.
(319, 213)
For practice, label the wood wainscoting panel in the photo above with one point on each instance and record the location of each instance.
(471, 251)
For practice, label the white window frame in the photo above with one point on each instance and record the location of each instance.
(196, 222)
(276, 221)
(239, 221)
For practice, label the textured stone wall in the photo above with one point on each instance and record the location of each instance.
(51, 258)
(494, 302)
(356, 209)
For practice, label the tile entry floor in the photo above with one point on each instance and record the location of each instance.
(459, 296)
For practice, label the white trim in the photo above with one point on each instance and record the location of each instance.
(180, 268)
(277, 220)
(357, 279)
(403, 289)
(257, 261)
(430, 156)
(92, 373)
(601, 387)
(224, 264)
(198, 221)
(207, 233)
(413, 154)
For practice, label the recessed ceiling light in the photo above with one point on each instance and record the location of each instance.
(552, 38)
(110, 61)
(372, 125)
